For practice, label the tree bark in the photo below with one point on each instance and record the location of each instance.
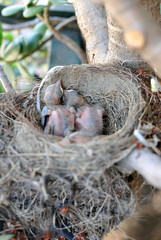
(132, 17)
(91, 19)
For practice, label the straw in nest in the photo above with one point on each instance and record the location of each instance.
(40, 177)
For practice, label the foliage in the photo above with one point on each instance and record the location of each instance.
(15, 48)
(6, 237)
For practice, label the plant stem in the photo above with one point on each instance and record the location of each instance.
(60, 26)
(31, 23)
(63, 38)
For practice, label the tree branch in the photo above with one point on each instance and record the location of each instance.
(59, 27)
(63, 38)
(93, 25)
(31, 23)
(134, 19)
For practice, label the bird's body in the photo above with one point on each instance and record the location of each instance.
(89, 120)
(60, 122)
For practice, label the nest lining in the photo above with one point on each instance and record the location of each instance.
(40, 176)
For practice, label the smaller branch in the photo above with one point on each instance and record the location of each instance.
(40, 17)
(4, 80)
(31, 23)
(8, 27)
(65, 22)
(38, 47)
(60, 26)
(63, 38)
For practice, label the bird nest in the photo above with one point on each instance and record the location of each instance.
(69, 189)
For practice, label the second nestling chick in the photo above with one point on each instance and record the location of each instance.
(72, 99)
(53, 94)
(90, 121)
(60, 122)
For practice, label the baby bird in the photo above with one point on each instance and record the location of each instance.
(53, 94)
(89, 121)
(72, 99)
(60, 122)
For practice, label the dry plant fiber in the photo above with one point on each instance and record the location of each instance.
(39, 177)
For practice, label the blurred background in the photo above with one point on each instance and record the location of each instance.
(27, 49)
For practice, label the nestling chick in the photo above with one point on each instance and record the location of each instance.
(90, 121)
(72, 99)
(60, 122)
(53, 94)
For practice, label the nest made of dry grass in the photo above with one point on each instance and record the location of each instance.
(39, 176)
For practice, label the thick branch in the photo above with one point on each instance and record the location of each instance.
(92, 23)
(132, 17)
(63, 38)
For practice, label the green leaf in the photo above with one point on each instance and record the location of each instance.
(10, 10)
(6, 237)
(1, 33)
(10, 73)
(8, 36)
(23, 70)
(41, 28)
(32, 42)
(11, 52)
(4, 45)
(153, 83)
(27, 2)
(32, 11)
(1, 88)
(30, 3)
(58, 2)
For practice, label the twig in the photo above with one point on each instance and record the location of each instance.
(146, 143)
(65, 22)
(4, 80)
(38, 47)
(63, 38)
(60, 26)
(54, 20)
